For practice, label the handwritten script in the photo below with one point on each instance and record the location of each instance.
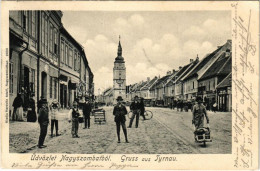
(244, 89)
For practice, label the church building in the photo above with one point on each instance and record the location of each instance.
(119, 75)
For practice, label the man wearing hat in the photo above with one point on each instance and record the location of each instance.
(119, 112)
(43, 120)
(199, 111)
(135, 108)
(74, 118)
(86, 112)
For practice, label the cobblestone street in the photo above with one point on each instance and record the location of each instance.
(168, 132)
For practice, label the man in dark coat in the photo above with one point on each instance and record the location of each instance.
(43, 120)
(31, 116)
(86, 112)
(119, 112)
(135, 108)
(142, 108)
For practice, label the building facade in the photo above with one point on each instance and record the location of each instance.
(35, 62)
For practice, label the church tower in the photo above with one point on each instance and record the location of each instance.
(119, 75)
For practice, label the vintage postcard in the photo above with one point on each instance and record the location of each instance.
(129, 85)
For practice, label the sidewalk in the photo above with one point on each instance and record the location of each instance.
(24, 135)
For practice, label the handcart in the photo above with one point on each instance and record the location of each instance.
(202, 135)
(99, 116)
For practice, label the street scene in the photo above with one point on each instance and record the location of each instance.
(168, 132)
(120, 82)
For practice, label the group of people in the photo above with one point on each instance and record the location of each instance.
(75, 116)
(137, 108)
(18, 112)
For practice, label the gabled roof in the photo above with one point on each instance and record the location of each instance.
(108, 91)
(186, 70)
(141, 85)
(150, 84)
(160, 82)
(226, 82)
(133, 88)
(181, 73)
(200, 65)
(221, 67)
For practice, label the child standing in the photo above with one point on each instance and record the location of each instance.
(54, 117)
(74, 117)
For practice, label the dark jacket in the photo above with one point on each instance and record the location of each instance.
(87, 109)
(120, 112)
(18, 102)
(43, 117)
(135, 106)
(141, 105)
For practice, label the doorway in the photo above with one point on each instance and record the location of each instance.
(26, 87)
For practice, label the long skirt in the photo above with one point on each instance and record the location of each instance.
(19, 114)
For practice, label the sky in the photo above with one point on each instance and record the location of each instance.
(152, 42)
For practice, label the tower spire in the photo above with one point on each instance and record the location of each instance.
(119, 51)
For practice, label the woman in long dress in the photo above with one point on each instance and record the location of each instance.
(18, 108)
(199, 111)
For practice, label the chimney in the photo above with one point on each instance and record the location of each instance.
(197, 58)
(168, 73)
(191, 60)
(173, 71)
(180, 67)
(227, 53)
(148, 78)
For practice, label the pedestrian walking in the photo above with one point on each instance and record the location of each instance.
(119, 112)
(135, 108)
(31, 115)
(43, 120)
(74, 118)
(142, 108)
(198, 112)
(18, 108)
(54, 109)
(86, 112)
(214, 107)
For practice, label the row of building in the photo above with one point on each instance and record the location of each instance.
(45, 60)
(209, 78)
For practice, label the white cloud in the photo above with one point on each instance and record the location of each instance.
(136, 19)
(80, 34)
(140, 71)
(194, 31)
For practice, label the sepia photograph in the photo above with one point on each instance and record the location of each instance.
(129, 85)
(120, 82)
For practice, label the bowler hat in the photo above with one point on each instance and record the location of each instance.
(136, 96)
(119, 98)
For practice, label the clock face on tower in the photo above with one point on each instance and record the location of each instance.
(120, 81)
